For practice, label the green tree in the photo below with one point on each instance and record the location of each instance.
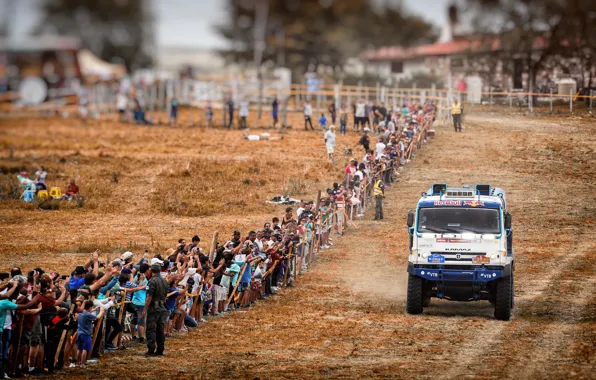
(303, 34)
(114, 30)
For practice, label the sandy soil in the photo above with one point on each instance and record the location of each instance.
(345, 318)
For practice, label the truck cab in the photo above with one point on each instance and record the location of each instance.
(461, 248)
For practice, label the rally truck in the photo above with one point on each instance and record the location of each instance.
(461, 248)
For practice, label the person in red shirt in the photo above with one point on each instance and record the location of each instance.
(72, 190)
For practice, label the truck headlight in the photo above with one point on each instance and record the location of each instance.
(493, 256)
(425, 255)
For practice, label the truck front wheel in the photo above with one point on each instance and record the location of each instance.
(414, 300)
(503, 299)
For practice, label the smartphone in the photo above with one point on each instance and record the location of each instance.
(64, 276)
(4, 276)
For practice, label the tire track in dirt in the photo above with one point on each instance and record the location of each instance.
(516, 343)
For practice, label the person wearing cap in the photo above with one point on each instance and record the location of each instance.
(330, 142)
(155, 311)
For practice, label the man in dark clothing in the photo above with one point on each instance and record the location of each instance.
(333, 112)
(274, 109)
(156, 312)
(365, 140)
(230, 112)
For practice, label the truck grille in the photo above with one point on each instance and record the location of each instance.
(464, 257)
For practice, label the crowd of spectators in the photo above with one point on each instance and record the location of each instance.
(50, 321)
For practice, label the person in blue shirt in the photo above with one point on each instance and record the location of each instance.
(173, 294)
(85, 332)
(173, 112)
(138, 300)
(323, 122)
(274, 108)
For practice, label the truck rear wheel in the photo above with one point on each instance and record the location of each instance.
(503, 299)
(414, 300)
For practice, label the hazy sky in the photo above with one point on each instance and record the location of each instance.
(190, 22)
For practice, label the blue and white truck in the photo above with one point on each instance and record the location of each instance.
(461, 248)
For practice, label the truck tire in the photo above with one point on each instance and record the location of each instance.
(414, 298)
(512, 291)
(503, 299)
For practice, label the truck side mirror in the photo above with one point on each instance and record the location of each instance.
(508, 221)
(410, 219)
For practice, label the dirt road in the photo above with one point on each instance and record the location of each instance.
(345, 318)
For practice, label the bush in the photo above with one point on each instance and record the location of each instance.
(47, 204)
(10, 188)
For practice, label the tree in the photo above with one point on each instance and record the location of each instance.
(305, 34)
(540, 33)
(114, 30)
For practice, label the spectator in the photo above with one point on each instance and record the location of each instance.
(379, 148)
(360, 115)
(307, 115)
(40, 178)
(343, 120)
(365, 140)
(173, 112)
(85, 332)
(330, 142)
(72, 190)
(209, 114)
(230, 112)
(323, 122)
(274, 111)
(243, 114)
(332, 112)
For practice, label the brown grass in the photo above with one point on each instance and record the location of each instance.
(145, 187)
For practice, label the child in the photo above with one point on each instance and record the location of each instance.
(323, 122)
(85, 332)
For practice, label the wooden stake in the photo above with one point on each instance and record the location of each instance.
(120, 317)
(213, 245)
(63, 336)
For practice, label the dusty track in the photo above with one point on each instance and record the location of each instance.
(346, 316)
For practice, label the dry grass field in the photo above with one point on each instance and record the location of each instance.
(345, 318)
(146, 187)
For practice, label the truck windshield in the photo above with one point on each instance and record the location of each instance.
(458, 220)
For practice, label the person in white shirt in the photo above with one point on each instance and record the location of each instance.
(330, 142)
(308, 116)
(360, 115)
(40, 175)
(391, 127)
(122, 104)
(243, 114)
(379, 148)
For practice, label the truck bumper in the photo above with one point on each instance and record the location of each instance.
(442, 273)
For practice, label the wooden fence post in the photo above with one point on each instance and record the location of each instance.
(213, 245)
